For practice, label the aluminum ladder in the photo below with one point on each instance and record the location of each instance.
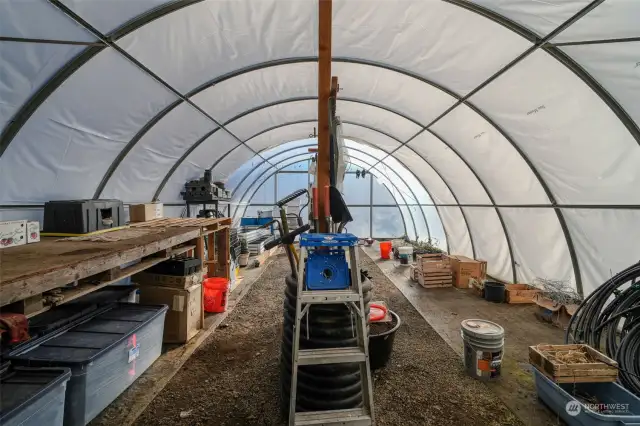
(354, 299)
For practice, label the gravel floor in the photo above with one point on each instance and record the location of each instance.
(233, 378)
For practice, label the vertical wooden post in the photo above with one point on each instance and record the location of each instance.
(200, 255)
(211, 255)
(324, 90)
(223, 245)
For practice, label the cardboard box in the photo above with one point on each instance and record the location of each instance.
(33, 232)
(521, 293)
(554, 313)
(464, 268)
(13, 233)
(145, 212)
(180, 282)
(182, 321)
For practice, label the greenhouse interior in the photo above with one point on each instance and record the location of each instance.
(319, 212)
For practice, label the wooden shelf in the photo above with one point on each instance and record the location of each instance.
(118, 275)
(180, 250)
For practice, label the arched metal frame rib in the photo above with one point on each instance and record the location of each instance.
(34, 102)
(466, 221)
(424, 217)
(499, 214)
(38, 98)
(404, 223)
(297, 99)
(353, 149)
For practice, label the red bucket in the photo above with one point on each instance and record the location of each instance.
(215, 294)
(385, 249)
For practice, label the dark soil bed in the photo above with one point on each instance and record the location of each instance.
(233, 378)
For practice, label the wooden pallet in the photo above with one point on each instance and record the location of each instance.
(603, 370)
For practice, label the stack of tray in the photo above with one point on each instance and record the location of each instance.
(253, 233)
(257, 247)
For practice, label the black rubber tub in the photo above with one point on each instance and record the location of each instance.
(494, 291)
(381, 345)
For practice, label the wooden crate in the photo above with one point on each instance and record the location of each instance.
(521, 293)
(434, 270)
(603, 370)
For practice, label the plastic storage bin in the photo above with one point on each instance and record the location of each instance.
(106, 352)
(556, 396)
(33, 396)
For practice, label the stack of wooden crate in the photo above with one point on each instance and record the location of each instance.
(434, 270)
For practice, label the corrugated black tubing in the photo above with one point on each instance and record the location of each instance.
(609, 321)
(321, 387)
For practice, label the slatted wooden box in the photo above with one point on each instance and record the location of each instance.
(434, 270)
(602, 369)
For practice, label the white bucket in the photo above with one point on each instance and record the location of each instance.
(405, 253)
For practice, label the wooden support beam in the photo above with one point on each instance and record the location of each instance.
(200, 255)
(324, 92)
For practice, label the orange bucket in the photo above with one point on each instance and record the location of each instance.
(385, 249)
(215, 294)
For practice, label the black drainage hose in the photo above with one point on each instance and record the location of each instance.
(611, 315)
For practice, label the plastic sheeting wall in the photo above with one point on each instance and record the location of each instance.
(368, 221)
(531, 123)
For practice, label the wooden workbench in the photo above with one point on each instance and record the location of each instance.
(33, 269)
(95, 261)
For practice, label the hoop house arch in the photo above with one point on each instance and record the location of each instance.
(520, 118)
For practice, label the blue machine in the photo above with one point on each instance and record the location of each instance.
(327, 267)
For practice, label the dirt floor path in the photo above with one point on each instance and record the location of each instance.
(233, 378)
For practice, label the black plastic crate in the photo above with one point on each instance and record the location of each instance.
(106, 353)
(32, 396)
(177, 267)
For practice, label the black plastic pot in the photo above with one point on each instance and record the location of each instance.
(381, 345)
(494, 291)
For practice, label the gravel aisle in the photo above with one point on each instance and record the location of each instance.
(233, 378)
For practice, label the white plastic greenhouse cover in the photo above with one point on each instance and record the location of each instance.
(516, 123)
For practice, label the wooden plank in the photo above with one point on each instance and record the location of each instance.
(324, 92)
(199, 253)
(83, 289)
(36, 268)
(211, 257)
(41, 311)
(223, 253)
(576, 379)
(182, 249)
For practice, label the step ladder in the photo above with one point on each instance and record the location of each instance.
(353, 298)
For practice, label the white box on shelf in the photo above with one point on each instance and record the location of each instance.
(13, 233)
(33, 231)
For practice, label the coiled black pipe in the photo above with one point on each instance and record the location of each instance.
(598, 323)
(321, 387)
